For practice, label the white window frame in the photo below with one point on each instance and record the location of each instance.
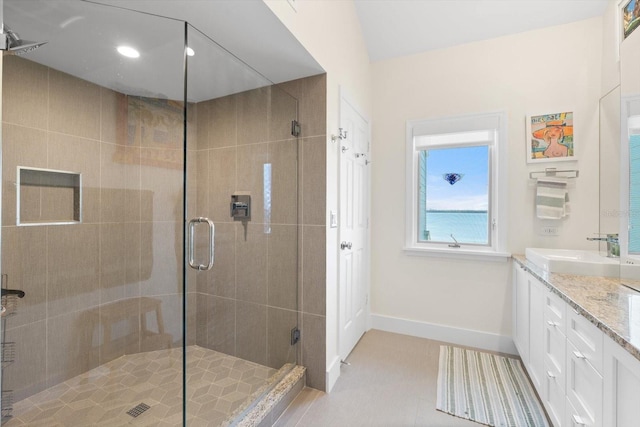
(495, 121)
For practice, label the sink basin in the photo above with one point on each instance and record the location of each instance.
(574, 261)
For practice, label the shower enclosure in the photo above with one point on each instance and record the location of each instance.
(149, 216)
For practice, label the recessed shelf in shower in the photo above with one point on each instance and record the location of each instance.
(46, 196)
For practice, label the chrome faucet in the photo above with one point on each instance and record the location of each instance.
(613, 246)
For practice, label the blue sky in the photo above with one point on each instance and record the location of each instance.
(470, 193)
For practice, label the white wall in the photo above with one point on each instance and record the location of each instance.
(532, 72)
(330, 31)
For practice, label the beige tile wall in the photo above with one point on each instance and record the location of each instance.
(264, 284)
(129, 243)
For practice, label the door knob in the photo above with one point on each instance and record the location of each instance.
(345, 245)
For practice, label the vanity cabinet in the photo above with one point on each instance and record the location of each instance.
(621, 375)
(562, 352)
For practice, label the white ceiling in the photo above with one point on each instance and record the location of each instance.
(82, 37)
(395, 28)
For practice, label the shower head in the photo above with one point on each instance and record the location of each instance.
(11, 42)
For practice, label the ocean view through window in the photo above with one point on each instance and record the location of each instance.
(456, 186)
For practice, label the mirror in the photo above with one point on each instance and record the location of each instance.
(609, 169)
(630, 161)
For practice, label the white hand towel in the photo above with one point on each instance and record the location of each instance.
(552, 198)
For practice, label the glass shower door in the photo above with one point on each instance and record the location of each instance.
(92, 216)
(242, 313)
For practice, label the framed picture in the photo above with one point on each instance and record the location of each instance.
(630, 16)
(550, 137)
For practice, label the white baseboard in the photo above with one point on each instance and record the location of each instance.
(449, 334)
(333, 373)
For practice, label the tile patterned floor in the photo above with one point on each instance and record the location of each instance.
(218, 388)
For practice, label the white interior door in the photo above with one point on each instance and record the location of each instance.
(353, 227)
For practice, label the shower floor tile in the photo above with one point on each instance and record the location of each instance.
(218, 387)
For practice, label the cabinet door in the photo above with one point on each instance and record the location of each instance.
(521, 312)
(536, 333)
(621, 386)
(584, 390)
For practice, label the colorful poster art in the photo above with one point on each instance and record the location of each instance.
(630, 17)
(550, 137)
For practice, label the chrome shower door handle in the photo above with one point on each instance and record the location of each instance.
(191, 244)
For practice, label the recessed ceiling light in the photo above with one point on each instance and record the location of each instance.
(190, 52)
(128, 51)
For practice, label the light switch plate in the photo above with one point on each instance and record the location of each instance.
(333, 219)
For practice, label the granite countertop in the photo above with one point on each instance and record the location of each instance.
(613, 308)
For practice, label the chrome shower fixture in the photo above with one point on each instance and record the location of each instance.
(13, 44)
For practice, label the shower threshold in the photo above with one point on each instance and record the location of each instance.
(219, 387)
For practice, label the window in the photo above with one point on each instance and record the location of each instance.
(455, 199)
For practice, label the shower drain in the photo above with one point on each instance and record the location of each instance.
(138, 409)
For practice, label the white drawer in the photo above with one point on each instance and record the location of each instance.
(555, 355)
(586, 338)
(555, 312)
(584, 390)
(555, 399)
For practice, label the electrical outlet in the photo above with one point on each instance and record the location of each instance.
(547, 230)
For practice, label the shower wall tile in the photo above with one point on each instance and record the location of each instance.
(112, 262)
(283, 266)
(113, 117)
(251, 332)
(202, 125)
(165, 258)
(202, 304)
(201, 183)
(115, 328)
(131, 250)
(74, 106)
(24, 261)
(161, 174)
(313, 105)
(279, 325)
(80, 155)
(251, 264)
(192, 319)
(56, 203)
(221, 279)
(71, 348)
(250, 176)
(221, 324)
(192, 128)
(27, 374)
(194, 165)
(223, 121)
(171, 309)
(283, 109)
(314, 270)
(113, 181)
(21, 146)
(160, 123)
(314, 349)
(314, 185)
(73, 267)
(25, 93)
(283, 156)
(252, 108)
(222, 182)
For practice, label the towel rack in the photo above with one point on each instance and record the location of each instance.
(572, 173)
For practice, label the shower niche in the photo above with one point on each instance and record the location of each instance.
(46, 196)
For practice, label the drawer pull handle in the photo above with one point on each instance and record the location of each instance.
(550, 374)
(579, 355)
(578, 421)
(551, 323)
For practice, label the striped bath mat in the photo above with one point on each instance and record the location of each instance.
(486, 388)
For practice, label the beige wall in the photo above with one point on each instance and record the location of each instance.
(532, 72)
(330, 31)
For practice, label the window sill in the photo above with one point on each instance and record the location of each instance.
(459, 253)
